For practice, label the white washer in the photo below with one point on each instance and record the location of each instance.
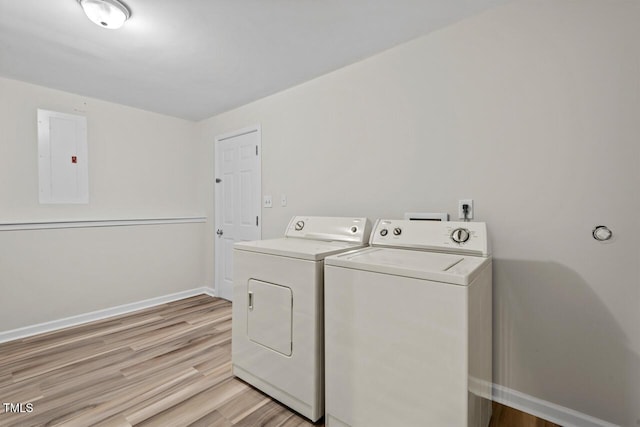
(277, 336)
(408, 328)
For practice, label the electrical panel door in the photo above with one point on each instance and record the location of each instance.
(62, 158)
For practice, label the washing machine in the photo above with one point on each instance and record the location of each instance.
(277, 316)
(408, 328)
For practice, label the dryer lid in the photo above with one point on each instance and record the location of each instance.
(312, 250)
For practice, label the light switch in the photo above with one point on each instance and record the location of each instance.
(283, 200)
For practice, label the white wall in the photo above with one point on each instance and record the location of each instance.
(141, 165)
(532, 110)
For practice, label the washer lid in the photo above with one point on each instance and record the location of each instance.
(439, 267)
(313, 250)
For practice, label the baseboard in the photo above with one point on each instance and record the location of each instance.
(40, 328)
(546, 410)
(209, 291)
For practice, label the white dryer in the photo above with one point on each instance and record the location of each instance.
(408, 328)
(277, 335)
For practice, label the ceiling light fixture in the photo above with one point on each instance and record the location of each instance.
(106, 13)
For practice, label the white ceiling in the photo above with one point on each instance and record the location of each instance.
(197, 58)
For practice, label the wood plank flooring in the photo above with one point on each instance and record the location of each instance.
(168, 365)
(504, 416)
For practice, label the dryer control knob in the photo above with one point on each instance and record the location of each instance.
(460, 235)
(299, 225)
(384, 232)
(354, 229)
(397, 231)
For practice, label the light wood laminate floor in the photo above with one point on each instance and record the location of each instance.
(168, 365)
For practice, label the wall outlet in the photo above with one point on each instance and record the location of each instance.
(267, 201)
(461, 212)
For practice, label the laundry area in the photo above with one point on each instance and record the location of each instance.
(339, 214)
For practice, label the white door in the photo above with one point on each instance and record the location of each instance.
(237, 197)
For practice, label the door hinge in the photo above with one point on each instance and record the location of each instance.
(256, 150)
(256, 220)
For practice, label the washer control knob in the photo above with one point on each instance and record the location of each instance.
(397, 231)
(384, 232)
(299, 225)
(354, 229)
(460, 235)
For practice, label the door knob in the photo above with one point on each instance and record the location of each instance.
(219, 232)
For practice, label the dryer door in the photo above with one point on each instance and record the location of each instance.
(269, 315)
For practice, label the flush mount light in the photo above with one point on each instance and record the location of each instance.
(106, 13)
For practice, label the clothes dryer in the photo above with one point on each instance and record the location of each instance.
(277, 316)
(408, 328)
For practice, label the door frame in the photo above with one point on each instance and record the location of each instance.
(217, 199)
